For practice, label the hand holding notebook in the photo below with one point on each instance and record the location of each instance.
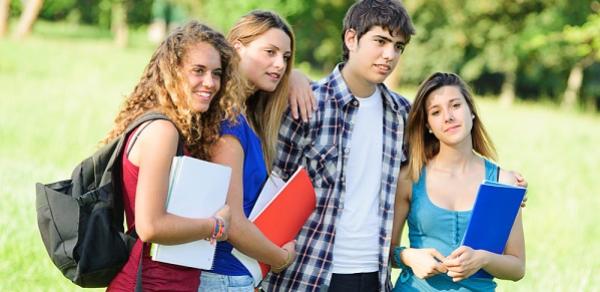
(280, 213)
(492, 218)
(197, 189)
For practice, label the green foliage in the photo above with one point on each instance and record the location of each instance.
(138, 13)
(469, 37)
(316, 24)
(583, 40)
(538, 41)
(169, 11)
(57, 9)
(15, 7)
(89, 11)
(318, 29)
(593, 86)
(483, 41)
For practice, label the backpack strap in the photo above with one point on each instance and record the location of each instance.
(150, 116)
(136, 135)
(138, 277)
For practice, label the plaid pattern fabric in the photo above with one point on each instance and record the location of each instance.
(321, 146)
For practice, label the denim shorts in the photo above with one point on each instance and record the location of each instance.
(222, 283)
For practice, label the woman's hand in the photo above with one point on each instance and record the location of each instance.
(302, 99)
(290, 249)
(464, 262)
(521, 182)
(225, 215)
(424, 262)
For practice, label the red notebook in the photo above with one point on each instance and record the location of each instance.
(282, 218)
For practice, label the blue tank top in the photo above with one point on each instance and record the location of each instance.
(430, 226)
(254, 176)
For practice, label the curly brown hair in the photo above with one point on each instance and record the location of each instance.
(163, 88)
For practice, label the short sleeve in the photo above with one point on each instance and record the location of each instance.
(236, 129)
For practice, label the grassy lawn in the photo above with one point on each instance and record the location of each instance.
(60, 90)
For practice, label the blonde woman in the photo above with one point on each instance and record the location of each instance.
(265, 44)
(190, 80)
(450, 155)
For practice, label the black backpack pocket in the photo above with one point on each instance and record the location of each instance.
(58, 220)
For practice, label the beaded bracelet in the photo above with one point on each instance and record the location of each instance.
(218, 230)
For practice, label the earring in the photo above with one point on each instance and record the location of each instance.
(430, 132)
(472, 117)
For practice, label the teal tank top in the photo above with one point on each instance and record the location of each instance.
(430, 226)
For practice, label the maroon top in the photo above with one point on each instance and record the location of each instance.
(156, 276)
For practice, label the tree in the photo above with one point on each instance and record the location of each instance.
(28, 17)
(562, 41)
(119, 22)
(525, 49)
(4, 13)
(438, 45)
(493, 40)
(584, 43)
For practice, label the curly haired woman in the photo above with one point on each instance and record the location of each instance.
(191, 80)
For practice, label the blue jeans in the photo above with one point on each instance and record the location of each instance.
(222, 283)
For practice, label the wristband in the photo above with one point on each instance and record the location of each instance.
(397, 251)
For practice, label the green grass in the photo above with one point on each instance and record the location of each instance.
(58, 96)
(60, 90)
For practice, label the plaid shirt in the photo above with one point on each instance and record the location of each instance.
(321, 146)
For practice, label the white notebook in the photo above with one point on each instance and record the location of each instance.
(271, 188)
(197, 189)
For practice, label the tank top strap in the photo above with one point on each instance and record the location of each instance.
(419, 187)
(491, 171)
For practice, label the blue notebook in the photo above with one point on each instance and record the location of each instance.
(493, 216)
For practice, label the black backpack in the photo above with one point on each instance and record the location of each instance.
(81, 219)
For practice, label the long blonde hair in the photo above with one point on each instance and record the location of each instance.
(164, 88)
(423, 146)
(265, 109)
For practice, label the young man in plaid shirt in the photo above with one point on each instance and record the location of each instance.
(352, 148)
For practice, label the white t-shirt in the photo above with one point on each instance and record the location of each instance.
(356, 246)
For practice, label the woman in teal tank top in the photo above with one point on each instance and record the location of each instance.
(450, 155)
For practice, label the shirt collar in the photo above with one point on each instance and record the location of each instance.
(343, 94)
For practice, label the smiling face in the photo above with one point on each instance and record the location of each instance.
(449, 116)
(264, 59)
(202, 69)
(375, 54)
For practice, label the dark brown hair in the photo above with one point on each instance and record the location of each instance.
(389, 14)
